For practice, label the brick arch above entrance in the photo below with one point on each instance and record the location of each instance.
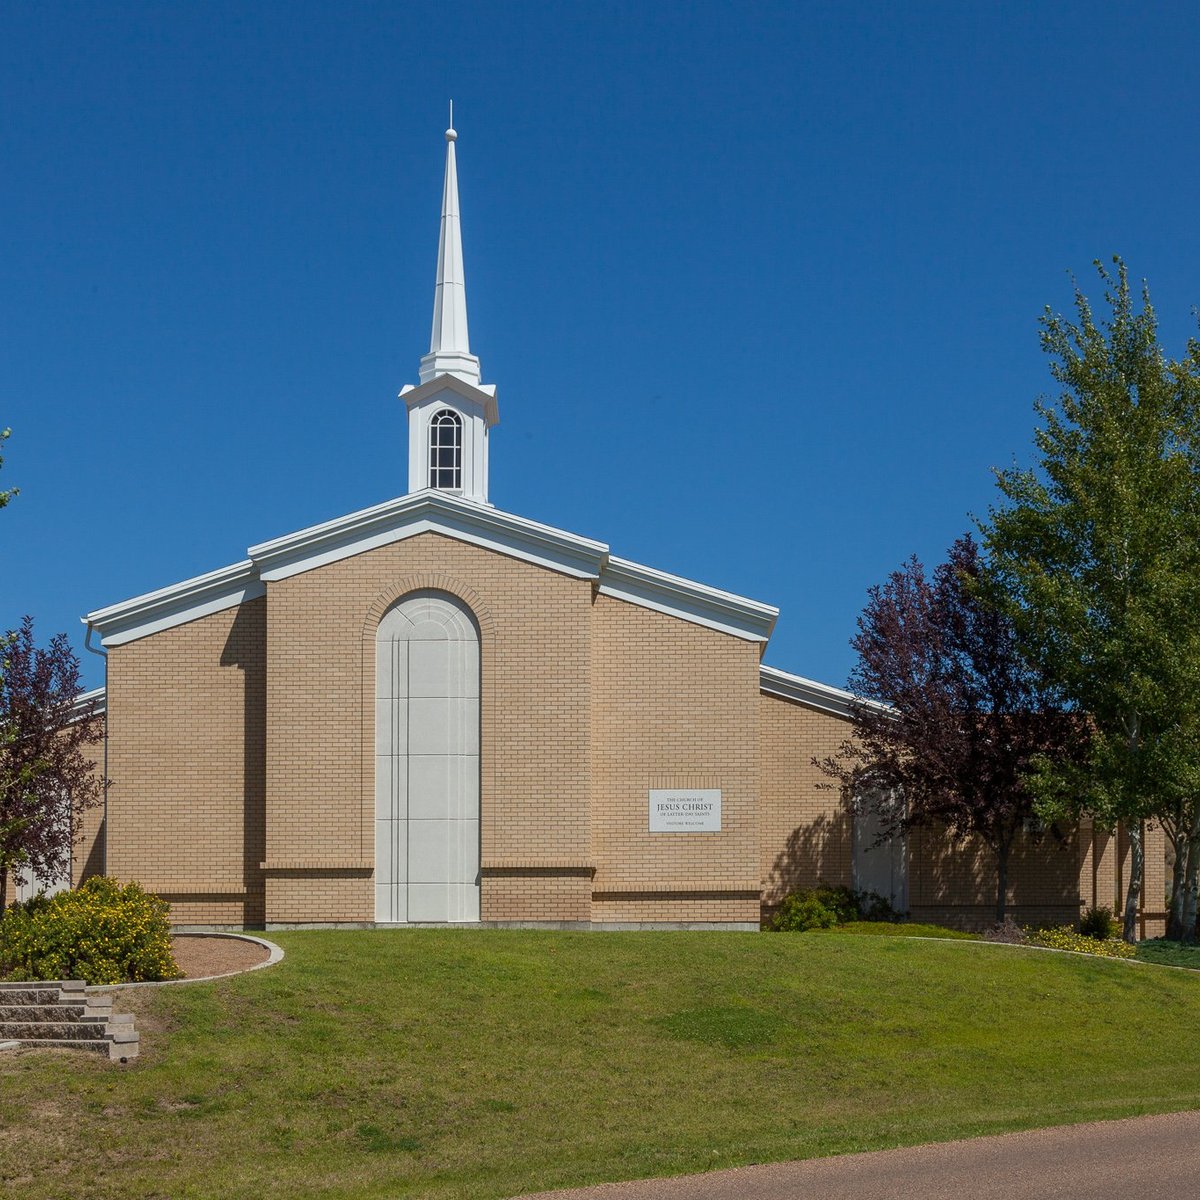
(419, 581)
(428, 581)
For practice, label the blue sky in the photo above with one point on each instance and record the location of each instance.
(759, 283)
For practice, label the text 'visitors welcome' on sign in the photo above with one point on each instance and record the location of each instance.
(695, 810)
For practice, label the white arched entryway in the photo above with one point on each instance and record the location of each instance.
(427, 761)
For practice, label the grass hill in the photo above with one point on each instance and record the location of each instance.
(488, 1063)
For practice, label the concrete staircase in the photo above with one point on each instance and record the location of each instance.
(65, 1015)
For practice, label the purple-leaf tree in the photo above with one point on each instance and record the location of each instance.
(949, 715)
(47, 778)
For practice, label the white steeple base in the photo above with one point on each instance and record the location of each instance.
(458, 363)
(477, 411)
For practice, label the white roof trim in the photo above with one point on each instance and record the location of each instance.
(176, 605)
(424, 512)
(86, 700)
(822, 696)
(690, 601)
(452, 516)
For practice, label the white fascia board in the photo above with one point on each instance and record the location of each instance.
(429, 511)
(822, 696)
(85, 702)
(484, 397)
(688, 600)
(176, 605)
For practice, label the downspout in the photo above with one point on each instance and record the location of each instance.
(87, 645)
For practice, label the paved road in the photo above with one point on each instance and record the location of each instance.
(1144, 1158)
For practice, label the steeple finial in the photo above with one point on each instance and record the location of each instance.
(449, 343)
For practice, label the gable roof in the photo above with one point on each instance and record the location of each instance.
(451, 516)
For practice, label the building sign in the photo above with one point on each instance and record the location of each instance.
(685, 810)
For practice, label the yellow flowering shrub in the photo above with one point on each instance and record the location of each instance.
(1065, 937)
(101, 932)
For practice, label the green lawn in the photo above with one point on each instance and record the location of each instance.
(901, 929)
(487, 1063)
(1171, 954)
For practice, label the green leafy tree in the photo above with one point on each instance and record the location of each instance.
(1096, 554)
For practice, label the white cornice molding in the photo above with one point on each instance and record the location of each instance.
(821, 696)
(451, 516)
(429, 511)
(688, 600)
(484, 394)
(176, 605)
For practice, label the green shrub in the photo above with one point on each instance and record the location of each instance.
(802, 911)
(828, 905)
(101, 932)
(1098, 923)
(1066, 938)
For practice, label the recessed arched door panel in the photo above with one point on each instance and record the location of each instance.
(427, 762)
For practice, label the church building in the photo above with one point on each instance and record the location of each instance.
(435, 711)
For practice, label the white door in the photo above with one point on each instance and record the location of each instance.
(427, 762)
(879, 867)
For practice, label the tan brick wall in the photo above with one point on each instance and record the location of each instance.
(234, 909)
(719, 907)
(807, 837)
(249, 735)
(806, 826)
(320, 897)
(538, 894)
(534, 631)
(1104, 873)
(1043, 877)
(674, 705)
(185, 760)
(1155, 881)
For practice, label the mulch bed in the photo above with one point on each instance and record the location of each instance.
(200, 956)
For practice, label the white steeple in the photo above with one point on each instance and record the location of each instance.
(450, 412)
(449, 343)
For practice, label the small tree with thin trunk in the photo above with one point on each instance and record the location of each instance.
(1096, 552)
(949, 715)
(46, 777)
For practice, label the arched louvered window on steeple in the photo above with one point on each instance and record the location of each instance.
(445, 451)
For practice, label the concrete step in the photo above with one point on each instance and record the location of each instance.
(60, 985)
(115, 1051)
(29, 993)
(63, 1014)
(24, 1031)
(50, 1012)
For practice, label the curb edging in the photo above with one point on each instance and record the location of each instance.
(274, 955)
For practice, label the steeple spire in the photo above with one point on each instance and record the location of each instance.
(449, 343)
